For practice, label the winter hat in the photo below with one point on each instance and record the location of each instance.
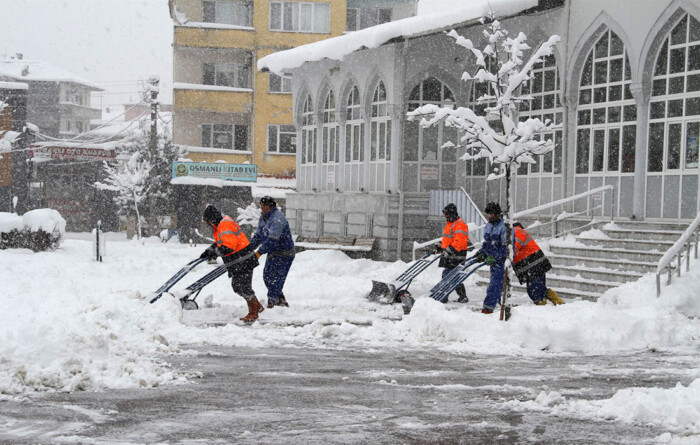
(212, 215)
(493, 208)
(450, 212)
(268, 201)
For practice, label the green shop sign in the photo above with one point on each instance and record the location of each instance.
(216, 170)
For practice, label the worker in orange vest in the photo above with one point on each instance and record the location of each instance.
(231, 244)
(455, 240)
(531, 266)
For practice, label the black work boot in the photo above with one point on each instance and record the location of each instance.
(462, 292)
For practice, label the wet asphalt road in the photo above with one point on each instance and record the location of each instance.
(310, 396)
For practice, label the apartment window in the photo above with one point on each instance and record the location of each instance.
(361, 18)
(226, 74)
(299, 16)
(228, 136)
(281, 139)
(227, 12)
(280, 84)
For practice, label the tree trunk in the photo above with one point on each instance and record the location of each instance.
(505, 298)
(138, 217)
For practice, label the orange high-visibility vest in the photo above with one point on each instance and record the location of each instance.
(524, 245)
(229, 234)
(455, 234)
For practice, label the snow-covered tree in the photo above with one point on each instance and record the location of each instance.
(129, 183)
(497, 134)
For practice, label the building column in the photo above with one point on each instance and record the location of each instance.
(641, 96)
(569, 102)
(397, 114)
(340, 180)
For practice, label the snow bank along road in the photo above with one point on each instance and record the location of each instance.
(83, 355)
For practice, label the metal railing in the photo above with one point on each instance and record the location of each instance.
(557, 218)
(466, 207)
(682, 246)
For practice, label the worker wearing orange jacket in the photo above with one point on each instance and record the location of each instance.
(455, 240)
(531, 266)
(232, 245)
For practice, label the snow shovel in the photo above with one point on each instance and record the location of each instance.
(196, 287)
(391, 292)
(444, 288)
(175, 278)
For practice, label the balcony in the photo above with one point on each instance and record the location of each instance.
(73, 111)
(212, 98)
(214, 36)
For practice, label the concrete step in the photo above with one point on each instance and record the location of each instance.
(660, 235)
(649, 225)
(606, 253)
(628, 244)
(600, 274)
(641, 267)
(567, 293)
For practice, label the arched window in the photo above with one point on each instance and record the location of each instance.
(330, 130)
(354, 130)
(380, 140)
(379, 126)
(544, 87)
(674, 124)
(674, 109)
(436, 166)
(606, 130)
(308, 133)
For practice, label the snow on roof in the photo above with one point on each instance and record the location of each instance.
(278, 188)
(337, 48)
(14, 86)
(38, 70)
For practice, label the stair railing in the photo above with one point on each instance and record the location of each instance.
(558, 218)
(679, 251)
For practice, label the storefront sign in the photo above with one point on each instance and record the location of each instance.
(66, 152)
(429, 173)
(217, 170)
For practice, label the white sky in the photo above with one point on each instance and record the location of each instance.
(112, 43)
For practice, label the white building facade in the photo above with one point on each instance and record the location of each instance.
(624, 84)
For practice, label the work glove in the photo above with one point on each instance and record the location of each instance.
(480, 257)
(209, 254)
(437, 250)
(449, 251)
(257, 254)
(489, 261)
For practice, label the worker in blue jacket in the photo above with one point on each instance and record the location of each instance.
(493, 253)
(274, 238)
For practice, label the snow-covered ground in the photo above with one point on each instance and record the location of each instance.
(71, 323)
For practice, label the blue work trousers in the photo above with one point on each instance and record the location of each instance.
(274, 276)
(537, 288)
(495, 289)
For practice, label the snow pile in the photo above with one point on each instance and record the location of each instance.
(78, 324)
(676, 408)
(48, 220)
(10, 222)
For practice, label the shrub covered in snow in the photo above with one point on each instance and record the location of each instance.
(39, 230)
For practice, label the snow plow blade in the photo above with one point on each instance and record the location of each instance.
(384, 293)
(387, 293)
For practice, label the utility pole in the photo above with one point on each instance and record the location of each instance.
(153, 146)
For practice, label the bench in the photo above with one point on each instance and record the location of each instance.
(354, 247)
